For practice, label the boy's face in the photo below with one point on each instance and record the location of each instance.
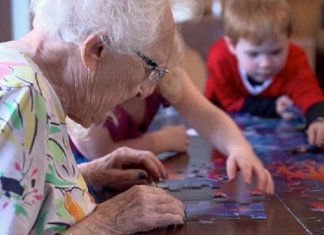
(263, 61)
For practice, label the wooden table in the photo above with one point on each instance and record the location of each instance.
(298, 204)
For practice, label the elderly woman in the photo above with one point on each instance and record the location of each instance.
(81, 59)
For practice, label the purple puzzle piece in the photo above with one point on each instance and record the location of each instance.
(207, 211)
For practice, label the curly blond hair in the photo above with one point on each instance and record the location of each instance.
(256, 20)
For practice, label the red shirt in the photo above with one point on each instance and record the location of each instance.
(225, 88)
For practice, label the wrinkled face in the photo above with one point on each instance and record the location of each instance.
(120, 77)
(264, 61)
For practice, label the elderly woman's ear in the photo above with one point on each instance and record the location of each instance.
(91, 51)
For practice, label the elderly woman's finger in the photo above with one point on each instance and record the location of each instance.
(144, 208)
(163, 220)
(151, 159)
(170, 209)
(161, 208)
(124, 179)
(167, 198)
(155, 220)
(167, 210)
(150, 163)
(130, 158)
(146, 162)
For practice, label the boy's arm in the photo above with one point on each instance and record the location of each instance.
(314, 113)
(302, 86)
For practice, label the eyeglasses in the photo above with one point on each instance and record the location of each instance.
(156, 72)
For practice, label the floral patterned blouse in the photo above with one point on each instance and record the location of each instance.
(41, 189)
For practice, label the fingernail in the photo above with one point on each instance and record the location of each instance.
(142, 175)
(156, 180)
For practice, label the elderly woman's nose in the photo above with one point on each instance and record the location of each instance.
(146, 90)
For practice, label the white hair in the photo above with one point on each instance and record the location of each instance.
(189, 10)
(127, 25)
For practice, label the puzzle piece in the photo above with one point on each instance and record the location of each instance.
(189, 183)
(204, 211)
(203, 171)
(207, 211)
(238, 197)
(295, 111)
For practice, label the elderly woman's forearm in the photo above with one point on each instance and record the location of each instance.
(87, 226)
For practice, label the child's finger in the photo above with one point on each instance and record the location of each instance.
(231, 168)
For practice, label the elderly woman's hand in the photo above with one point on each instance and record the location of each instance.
(122, 169)
(140, 208)
(250, 165)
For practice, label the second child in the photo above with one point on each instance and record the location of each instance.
(256, 69)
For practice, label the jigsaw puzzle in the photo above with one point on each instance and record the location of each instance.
(297, 167)
(222, 204)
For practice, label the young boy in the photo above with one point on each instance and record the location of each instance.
(255, 69)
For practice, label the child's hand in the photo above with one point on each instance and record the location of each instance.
(250, 165)
(315, 133)
(174, 138)
(282, 103)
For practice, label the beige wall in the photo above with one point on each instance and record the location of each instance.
(306, 17)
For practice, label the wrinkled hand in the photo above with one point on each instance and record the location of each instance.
(174, 138)
(250, 165)
(122, 169)
(282, 103)
(315, 133)
(140, 208)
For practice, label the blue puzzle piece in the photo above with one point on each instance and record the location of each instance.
(207, 211)
(189, 183)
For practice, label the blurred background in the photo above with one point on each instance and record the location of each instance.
(308, 30)
(308, 20)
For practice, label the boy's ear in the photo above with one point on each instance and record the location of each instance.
(91, 51)
(230, 45)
